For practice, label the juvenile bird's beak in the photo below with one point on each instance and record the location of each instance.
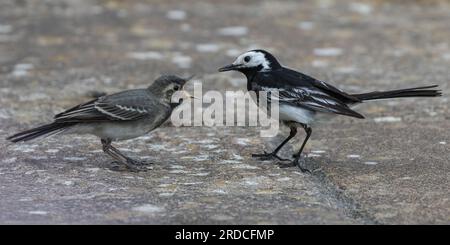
(186, 94)
(230, 67)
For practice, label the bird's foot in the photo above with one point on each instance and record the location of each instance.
(138, 162)
(300, 163)
(269, 156)
(130, 165)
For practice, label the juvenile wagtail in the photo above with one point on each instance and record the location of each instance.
(120, 116)
(302, 98)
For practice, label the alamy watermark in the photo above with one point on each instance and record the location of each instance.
(239, 108)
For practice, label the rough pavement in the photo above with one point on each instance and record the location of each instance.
(392, 168)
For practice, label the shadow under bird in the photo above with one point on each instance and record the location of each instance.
(120, 116)
(303, 98)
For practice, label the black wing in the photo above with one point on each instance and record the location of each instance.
(305, 93)
(124, 106)
(297, 79)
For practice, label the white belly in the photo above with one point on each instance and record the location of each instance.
(296, 114)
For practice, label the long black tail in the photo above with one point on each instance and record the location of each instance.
(33, 133)
(409, 92)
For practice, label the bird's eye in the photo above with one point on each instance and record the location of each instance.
(247, 58)
(176, 88)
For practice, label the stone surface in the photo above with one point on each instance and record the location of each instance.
(392, 168)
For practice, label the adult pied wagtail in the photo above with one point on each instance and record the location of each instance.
(302, 98)
(121, 116)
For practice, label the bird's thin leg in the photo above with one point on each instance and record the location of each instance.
(106, 146)
(273, 154)
(296, 161)
(119, 157)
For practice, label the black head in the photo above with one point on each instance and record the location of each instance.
(254, 60)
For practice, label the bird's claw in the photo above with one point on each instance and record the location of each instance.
(303, 169)
(269, 156)
(138, 163)
(297, 163)
(130, 165)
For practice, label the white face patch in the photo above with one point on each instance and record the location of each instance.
(252, 59)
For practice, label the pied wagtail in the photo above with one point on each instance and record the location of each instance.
(120, 116)
(302, 98)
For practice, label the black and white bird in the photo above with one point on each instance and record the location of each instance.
(303, 98)
(120, 116)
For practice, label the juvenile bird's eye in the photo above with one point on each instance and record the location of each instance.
(247, 58)
(176, 87)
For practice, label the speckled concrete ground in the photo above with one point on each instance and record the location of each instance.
(392, 168)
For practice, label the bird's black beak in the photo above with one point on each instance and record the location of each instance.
(229, 68)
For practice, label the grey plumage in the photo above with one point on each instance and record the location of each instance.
(121, 116)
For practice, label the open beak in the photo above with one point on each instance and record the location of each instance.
(187, 95)
(229, 68)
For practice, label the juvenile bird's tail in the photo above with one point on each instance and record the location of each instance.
(48, 129)
(426, 91)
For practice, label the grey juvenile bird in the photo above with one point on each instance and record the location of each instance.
(121, 116)
(303, 98)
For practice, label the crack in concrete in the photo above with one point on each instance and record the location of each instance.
(348, 206)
